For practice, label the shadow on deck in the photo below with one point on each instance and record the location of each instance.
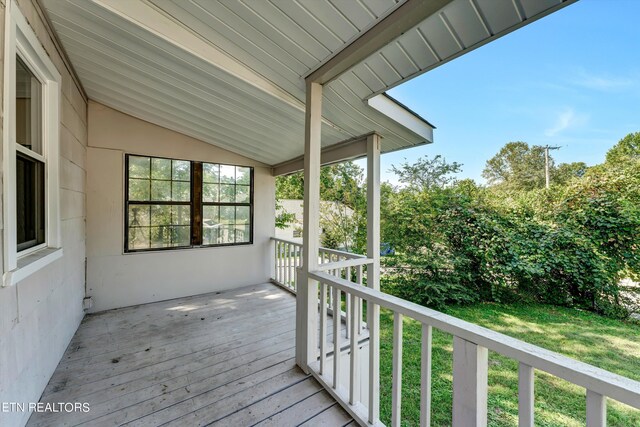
(225, 358)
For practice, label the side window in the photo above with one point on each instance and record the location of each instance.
(30, 161)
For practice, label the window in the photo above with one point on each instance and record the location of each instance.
(172, 204)
(30, 162)
(31, 208)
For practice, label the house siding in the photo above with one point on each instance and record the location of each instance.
(115, 279)
(39, 315)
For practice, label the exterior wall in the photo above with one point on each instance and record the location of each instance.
(39, 315)
(115, 279)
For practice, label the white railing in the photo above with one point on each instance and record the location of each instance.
(356, 384)
(288, 257)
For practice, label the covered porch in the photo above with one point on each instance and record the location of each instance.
(210, 101)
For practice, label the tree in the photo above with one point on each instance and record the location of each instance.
(627, 148)
(565, 172)
(426, 174)
(517, 167)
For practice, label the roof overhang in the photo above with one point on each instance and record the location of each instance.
(233, 73)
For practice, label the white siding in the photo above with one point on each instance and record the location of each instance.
(39, 315)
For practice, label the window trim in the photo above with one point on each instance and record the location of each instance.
(195, 203)
(20, 40)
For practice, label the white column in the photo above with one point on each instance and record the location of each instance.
(307, 295)
(470, 364)
(373, 209)
(373, 271)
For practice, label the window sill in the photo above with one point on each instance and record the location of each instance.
(29, 264)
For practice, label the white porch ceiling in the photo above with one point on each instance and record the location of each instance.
(151, 59)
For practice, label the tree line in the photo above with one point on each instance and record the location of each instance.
(458, 242)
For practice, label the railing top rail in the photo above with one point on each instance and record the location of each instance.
(349, 255)
(620, 388)
(341, 253)
(285, 241)
(353, 262)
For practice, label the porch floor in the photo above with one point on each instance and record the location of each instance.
(224, 358)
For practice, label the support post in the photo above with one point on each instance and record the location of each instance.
(373, 271)
(307, 295)
(470, 364)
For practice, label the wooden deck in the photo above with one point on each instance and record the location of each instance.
(216, 359)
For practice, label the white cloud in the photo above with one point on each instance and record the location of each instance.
(603, 83)
(566, 119)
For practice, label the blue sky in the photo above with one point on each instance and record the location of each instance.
(570, 79)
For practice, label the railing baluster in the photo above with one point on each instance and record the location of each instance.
(470, 364)
(360, 302)
(354, 373)
(525, 395)
(323, 328)
(286, 263)
(347, 310)
(373, 319)
(336, 336)
(281, 256)
(396, 387)
(425, 376)
(596, 409)
(275, 261)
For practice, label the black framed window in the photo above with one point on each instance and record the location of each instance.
(30, 160)
(173, 204)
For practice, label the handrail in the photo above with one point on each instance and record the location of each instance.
(345, 254)
(595, 379)
(353, 262)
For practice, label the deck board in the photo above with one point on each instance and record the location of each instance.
(225, 358)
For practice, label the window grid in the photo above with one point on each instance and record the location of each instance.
(232, 223)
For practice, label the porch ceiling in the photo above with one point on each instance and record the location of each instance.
(231, 72)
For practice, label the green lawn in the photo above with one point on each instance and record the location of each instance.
(609, 344)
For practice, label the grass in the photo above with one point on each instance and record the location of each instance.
(606, 343)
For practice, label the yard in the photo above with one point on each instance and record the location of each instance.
(609, 344)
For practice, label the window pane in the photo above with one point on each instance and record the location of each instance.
(30, 200)
(160, 215)
(28, 108)
(210, 192)
(181, 170)
(227, 214)
(227, 193)
(227, 233)
(139, 167)
(211, 215)
(139, 189)
(243, 175)
(210, 173)
(160, 169)
(138, 238)
(181, 191)
(139, 216)
(160, 237)
(161, 190)
(242, 194)
(181, 215)
(227, 174)
(242, 234)
(242, 214)
(180, 235)
(210, 224)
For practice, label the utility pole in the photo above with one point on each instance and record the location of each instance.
(546, 163)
